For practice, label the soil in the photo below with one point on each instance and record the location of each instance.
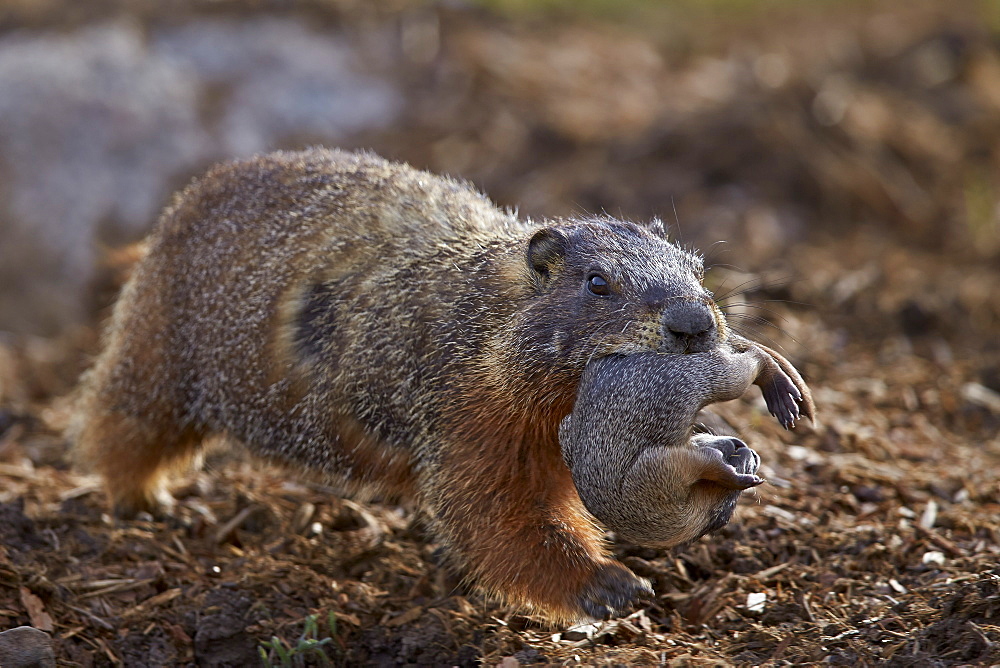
(848, 153)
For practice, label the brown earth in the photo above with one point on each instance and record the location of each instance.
(851, 157)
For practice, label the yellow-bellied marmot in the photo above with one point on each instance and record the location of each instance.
(391, 328)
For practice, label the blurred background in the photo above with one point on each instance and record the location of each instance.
(838, 162)
(866, 126)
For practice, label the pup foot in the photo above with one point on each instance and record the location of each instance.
(739, 463)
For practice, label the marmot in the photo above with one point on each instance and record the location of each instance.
(390, 329)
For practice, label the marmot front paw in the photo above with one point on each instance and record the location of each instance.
(612, 591)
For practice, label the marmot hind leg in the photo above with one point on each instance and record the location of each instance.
(134, 456)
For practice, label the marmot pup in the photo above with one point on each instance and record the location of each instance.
(391, 329)
(630, 445)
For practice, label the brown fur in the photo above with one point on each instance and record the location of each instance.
(394, 330)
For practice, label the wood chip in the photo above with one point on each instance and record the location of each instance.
(409, 616)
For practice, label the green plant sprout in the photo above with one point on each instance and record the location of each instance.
(276, 652)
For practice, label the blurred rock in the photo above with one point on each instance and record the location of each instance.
(93, 128)
(279, 81)
(100, 125)
(26, 647)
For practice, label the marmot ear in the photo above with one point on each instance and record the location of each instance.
(546, 251)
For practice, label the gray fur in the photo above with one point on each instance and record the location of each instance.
(630, 447)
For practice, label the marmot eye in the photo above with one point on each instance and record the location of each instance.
(598, 285)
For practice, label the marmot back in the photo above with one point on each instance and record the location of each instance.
(393, 329)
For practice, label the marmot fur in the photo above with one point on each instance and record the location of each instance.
(391, 329)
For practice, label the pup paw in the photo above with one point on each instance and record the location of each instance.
(739, 464)
(783, 399)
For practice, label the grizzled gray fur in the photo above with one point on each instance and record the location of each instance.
(629, 442)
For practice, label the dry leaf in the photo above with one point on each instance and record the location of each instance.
(40, 619)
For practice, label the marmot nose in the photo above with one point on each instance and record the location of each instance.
(688, 326)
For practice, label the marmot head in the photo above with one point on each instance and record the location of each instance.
(604, 287)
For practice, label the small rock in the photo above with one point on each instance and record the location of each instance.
(756, 601)
(933, 557)
(26, 647)
(867, 494)
(580, 632)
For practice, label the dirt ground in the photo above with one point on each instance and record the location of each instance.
(849, 155)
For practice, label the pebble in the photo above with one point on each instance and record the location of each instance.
(26, 647)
